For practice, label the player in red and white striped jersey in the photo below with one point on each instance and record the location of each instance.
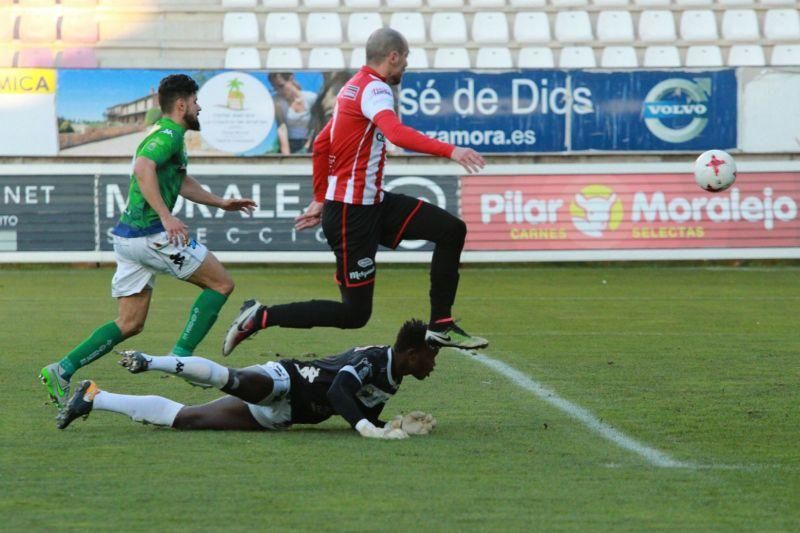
(357, 215)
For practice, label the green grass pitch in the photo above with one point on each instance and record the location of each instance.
(698, 362)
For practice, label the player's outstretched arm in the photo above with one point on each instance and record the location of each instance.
(144, 170)
(342, 395)
(192, 190)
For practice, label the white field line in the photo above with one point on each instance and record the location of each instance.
(651, 455)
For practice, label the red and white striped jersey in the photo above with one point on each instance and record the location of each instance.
(357, 147)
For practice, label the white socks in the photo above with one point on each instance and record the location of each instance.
(195, 369)
(148, 409)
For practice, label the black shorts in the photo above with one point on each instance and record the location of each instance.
(355, 231)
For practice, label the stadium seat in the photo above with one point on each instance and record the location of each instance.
(785, 54)
(661, 56)
(7, 24)
(531, 27)
(652, 3)
(282, 28)
(778, 2)
(615, 27)
(699, 26)
(78, 58)
(569, 3)
(7, 56)
(448, 28)
(657, 26)
(782, 24)
(490, 27)
(189, 27)
(240, 28)
(740, 25)
(486, 4)
(37, 26)
(735, 2)
(417, 58)
(610, 3)
(320, 4)
(284, 58)
(323, 28)
(78, 28)
(535, 57)
(36, 3)
(190, 59)
(39, 58)
(358, 57)
(361, 25)
(573, 27)
(576, 57)
(746, 55)
(437, 4)
(239, 3)
(524, 4)
(280, 4)
(403, 4)
(451, 58)
(243, 58)
(122, 58)
(493, 57)
(355, 5)
(703, 56)
(411, 25)
(694, 2)
(619, 57)
(326, 58)
(78, 3)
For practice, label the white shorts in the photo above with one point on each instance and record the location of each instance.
(274, 411)
(139, 259)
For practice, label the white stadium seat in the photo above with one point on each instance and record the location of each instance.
(657, 26)
(7, 24)
(403, 4)
(615, 27)
(37, 27)
(573, 27)
(619, 57)
(778, 2)
(361, 25)
(417, 58)
(448, 28)
(782, 24)
(576, 57)
(323, 28)
(652, 3)
(7, 56)
(284, 58)
(482, 4)
(610, 3)
(490, 27)
(699, 26)
(785, 54)
(531, 27)
(451, 58)
(241, 57)
(661, 56)
(79, 28)
(740, 25)
(358, 57)
(320, 4)
(703, 56)
(493, 57)
(326, 58)
(569, 3)
(694, 2)
(240, 28)
(236, 3)
(411, 25)
(282, 28)
(735, 2)
(525, 4)
(746, 55)
(354, 5)
(436, 4)
(280, 4)
(535, 57)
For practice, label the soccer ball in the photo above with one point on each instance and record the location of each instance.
(715, 170)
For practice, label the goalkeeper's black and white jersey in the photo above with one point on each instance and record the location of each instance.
(355, 384)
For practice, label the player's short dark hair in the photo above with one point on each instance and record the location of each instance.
(411, 335)
(383, 42)
(172, 88)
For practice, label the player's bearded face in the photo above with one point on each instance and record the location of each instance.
(399, 61)
(192, 115)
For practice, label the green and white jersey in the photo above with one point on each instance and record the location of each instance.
(164, 146)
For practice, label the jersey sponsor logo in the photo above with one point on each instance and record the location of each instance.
(310, 373)
(350, 92)
(381, 90)
(167, 131)
(379, 137)
(178, 259)
(152, 145)
(363, 369)
(365, 262)
(370, 395)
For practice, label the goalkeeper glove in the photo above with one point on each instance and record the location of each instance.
(389, 432)
(414, 423)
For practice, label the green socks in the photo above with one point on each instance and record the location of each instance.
(97, 345)
(202, 317)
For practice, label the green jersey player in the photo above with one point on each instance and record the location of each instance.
(149, 239)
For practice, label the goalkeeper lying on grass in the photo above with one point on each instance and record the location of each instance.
(355, 385)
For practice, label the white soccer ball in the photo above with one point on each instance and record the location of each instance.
(715, 170)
